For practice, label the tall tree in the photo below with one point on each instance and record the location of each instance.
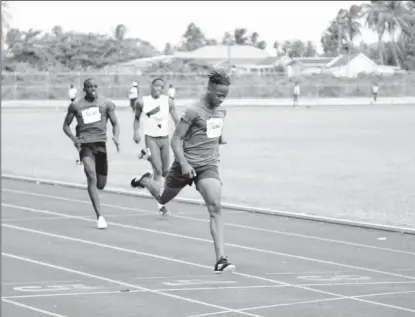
(393, 17)
(332, 39)
(192, 39)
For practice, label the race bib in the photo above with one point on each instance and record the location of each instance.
(91, 115)
(214, 127)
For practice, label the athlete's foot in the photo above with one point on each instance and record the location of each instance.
(145, 154)
(137, 182)
(224, 266)
(101, 223)
(163, 211)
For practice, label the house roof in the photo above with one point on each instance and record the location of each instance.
(272, 60)
(222, 52)
(345, 59)
(146, 61)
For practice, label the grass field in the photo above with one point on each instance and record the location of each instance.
(348, 162)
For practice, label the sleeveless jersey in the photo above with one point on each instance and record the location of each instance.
(92, 118)
(155, 116)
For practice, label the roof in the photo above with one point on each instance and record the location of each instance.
(313, 60)
(269, 61)
(345, 59)
(146, 61)
(223, 51)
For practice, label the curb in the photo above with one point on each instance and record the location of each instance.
(264, 211)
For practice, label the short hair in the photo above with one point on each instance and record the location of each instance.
(87, 80)
(219, 77)
(158, 78)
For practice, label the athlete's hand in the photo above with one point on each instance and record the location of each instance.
(137, 138)
(77, 144)
(117, 143)
(222, 141)
(188, 171)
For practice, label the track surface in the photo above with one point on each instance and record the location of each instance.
(55, 263)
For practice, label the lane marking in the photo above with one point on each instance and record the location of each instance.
(25, 259)
(198, 265)
(317, 301)
(227, 223)
(192, 289)
(210, 242)
(38, 310)
(40, 282)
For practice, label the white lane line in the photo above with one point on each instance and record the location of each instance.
(227, 223)
(198, 265)
(97, 277)
(38, 310)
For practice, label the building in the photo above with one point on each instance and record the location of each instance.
(304, 66)
(351, 65)
(241, 56)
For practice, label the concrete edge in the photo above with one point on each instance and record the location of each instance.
(265, 211)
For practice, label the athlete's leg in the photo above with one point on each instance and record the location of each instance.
(101, 168)
(211, 191)
(155, 159)
(210, 187)
(93, 163)
(165, 156)
(174, 183)
(88, 161)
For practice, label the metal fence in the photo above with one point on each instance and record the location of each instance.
(17, 86)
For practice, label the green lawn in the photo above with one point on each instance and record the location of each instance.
(348, 162)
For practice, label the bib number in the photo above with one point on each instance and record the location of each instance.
(214, 127)
(91, 115)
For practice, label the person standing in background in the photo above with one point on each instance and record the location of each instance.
(133, 94)
(72, 92)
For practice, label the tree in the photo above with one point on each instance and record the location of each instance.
(394, 17)
(73, 50)
(332, 39)
(192, 39)
(168, 49)
(241, 37)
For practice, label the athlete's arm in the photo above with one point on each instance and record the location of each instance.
(179, 133)
(114, 121)
(173, 113)
(138, 111)
(70, 115)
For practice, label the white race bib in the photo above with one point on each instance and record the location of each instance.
(214, 127)
(91, 115)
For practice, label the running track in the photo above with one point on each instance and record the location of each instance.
(55, 263)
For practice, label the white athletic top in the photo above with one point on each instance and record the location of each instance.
(297, 90)
(133, 93)
(155, 116)
(72, 93)
(172, 92)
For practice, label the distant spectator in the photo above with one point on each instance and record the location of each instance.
(72, 92)
(296, 93)
(375, 90)
(133, 94)
(172, 92)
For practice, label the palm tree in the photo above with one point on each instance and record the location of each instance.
(393, 17)
(5, 17)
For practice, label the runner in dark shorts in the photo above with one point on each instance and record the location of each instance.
(154, 112)
(195, 144)
(92, 113)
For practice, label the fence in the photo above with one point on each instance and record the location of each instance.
(267, 85)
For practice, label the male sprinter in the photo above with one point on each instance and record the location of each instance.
(92, 113)
(156, 109)
(195, 143)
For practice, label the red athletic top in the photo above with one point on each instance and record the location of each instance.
(92, 118)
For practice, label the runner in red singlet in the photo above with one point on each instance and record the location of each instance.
(92, 113)
(195, 144)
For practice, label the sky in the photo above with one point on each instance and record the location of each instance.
(165, 21)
